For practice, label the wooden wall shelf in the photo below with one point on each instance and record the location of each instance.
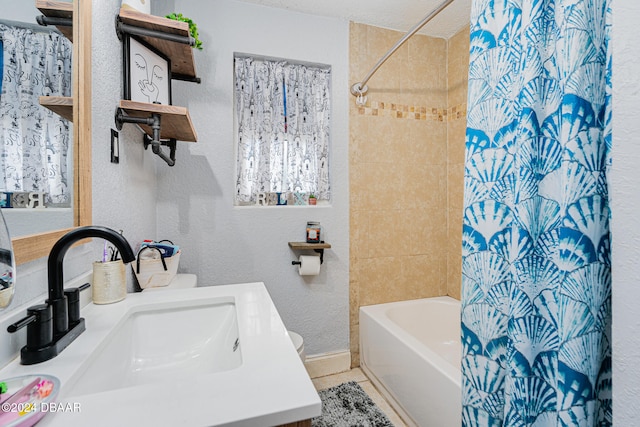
(62, 105)
(163, 124)
(181, 55)
(303, 246)
(175, 120)
(58, 9)
(309, 246)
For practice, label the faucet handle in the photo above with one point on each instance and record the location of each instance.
(39, 331)
(21, 323)
(73, 303)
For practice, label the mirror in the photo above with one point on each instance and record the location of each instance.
(36, 153)
(7, 266)
(34, 246)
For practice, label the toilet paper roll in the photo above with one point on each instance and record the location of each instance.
(309, 265)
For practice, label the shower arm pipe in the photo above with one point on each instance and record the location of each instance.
(360, 88)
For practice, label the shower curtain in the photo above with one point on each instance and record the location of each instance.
(536, 291)
(34, 141)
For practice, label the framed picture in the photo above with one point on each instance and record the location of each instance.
(147, 73)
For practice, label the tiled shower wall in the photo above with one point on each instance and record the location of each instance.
(402, 242)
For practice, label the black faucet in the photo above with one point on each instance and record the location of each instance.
(54, 325)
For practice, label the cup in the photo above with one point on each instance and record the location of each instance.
(109, 282)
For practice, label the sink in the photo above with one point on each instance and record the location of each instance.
(208, 356)
(162, 344)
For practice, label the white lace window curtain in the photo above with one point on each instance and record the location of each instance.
(34, 141)
(283, 146)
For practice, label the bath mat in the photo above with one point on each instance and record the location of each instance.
(347, 405)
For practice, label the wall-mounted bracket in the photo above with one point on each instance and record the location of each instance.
(155, 147)
(317, 247)
(51, 20)
(122, 28)
(154, 122)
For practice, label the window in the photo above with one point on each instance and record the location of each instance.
(283, 129)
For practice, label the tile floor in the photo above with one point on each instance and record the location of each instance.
(358, 376)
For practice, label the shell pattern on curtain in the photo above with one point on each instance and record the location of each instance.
(282, 146)
(34, 141)
(536, 291)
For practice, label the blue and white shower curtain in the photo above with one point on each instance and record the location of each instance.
(536, 291)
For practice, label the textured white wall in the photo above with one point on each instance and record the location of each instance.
(226, 244)
(124, 194)
(24, 11)
(625, 182)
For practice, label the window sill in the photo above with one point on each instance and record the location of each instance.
(320, 204)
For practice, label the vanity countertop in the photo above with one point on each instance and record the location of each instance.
(270, 387)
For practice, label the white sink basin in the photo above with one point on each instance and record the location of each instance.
(162, 344)
(209, 356)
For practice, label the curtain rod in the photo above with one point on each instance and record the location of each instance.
(360, 89)
(28, 25)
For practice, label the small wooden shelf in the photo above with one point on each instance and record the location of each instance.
(62, 105)
(181, 55)
(308, 246)
(58, 9)
(175, 120)
(318, 247)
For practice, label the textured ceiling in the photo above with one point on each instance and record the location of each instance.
(400, 15)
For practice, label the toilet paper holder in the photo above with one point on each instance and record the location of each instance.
(317, 247)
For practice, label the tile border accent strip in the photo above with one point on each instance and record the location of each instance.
(415, 112)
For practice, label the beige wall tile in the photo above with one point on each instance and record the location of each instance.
(354, 300)
(358, 137)
(425, 275)
(406, 168)
(354, 337)
(387, 80)
(359, 234)
(380, 281)
(358, 186)
(456, 140)
(382, 181)
(423, 185)
(429, 225)
(455, 186)
(383, 234)
(427, 142)
(382, 140)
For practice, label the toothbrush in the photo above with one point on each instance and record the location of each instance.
(3, 389)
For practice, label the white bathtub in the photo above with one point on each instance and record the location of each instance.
(411, 351)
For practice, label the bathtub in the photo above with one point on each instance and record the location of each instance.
(411, 351)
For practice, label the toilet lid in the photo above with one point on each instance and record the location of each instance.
(296, 339)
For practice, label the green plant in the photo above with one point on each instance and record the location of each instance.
(193, 27)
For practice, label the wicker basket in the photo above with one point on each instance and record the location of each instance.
(155, 272)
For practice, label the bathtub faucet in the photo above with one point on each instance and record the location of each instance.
(52, 326)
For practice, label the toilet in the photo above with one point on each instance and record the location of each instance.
(185, 281)
(298, 343)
